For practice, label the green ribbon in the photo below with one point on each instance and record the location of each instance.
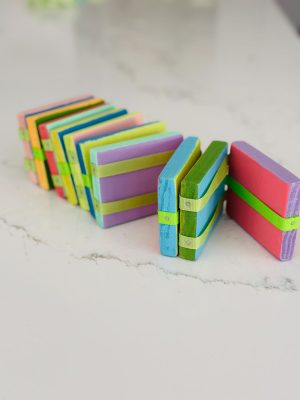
(87, 181)
(64, 168)
(194, 243)
(57, 181)
(125, 204)
(196, 205)
(168, 218)
(281, 223)
(130, 165)
(38, 154)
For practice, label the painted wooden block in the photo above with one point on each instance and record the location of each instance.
(168, 193)
(93, 133)
(33, 122)
(201, 199)
(125, 176)
(264, 199)
(84, 147)
(57, 160)
(24, 135)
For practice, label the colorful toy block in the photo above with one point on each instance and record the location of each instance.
(125, 176)
(98, 131)
(168, 193)
(264, 199)
(52, 134)
(121, 169)
(24, 135)
(84, 147)
(33, 122)
(201, 199)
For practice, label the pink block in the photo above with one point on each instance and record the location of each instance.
(272, 184)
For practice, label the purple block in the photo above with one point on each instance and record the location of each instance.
(130, 184)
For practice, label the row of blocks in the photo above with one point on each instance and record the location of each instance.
(119, 168)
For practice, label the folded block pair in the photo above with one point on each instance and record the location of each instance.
(190, 197)
(263, 198)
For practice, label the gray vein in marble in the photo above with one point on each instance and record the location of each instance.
(22, 229)
(287, 285)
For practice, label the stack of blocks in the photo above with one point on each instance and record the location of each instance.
(263, 198)
(119, 168)
(190, 197)
(97, 155)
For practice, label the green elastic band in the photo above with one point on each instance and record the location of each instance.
(168, 218)
(126, 204)
(24, 135)
(64, 168)
(29, 165)
(87, 181)
(281, 223)
(196, 205)
(47, 144)
(57, 181)
(38, 154)
(134, 164)
(194, 243)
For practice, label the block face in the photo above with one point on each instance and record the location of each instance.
(168, 191)
(85, 149)
(128, 193)
(272, 184)
(197, 180)
(108, 221)
(132, 128)
(206, 180)
(132, 184)
(252, 222)
(264, 178)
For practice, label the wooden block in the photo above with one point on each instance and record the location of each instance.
(201, 199)
(168, 192)
(264, 199)
(52, 139)
(83, 148)
(33, 123)
(23, 129)
(125, 176)
(93, 133)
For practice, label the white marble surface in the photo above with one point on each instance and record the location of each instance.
(95, 314)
